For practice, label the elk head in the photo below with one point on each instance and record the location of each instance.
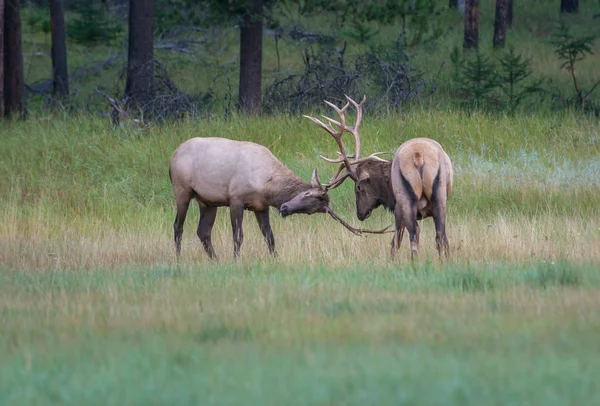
(313, 200)
(372, 186)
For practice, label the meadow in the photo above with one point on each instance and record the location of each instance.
(95, 310)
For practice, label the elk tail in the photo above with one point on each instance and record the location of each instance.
(419, 163)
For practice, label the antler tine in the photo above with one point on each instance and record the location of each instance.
(372, 156)
(336, 181)
(319, 123)
(357, 123)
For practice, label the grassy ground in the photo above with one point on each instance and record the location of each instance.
(93, 308)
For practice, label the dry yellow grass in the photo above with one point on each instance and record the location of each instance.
(43, 240)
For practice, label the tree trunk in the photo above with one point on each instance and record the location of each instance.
(1, 55)
(569, 6)
(139, 83)
(13, 60)
(250, 90)
(509, 15)
(500, 23)
(471, 38)
(60, 74)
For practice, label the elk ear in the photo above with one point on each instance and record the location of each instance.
(314, 181)
(364, 175)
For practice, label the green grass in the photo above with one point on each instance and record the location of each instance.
(260, 334)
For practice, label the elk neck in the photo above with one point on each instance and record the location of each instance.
(282, 188)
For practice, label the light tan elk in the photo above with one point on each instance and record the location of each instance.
(415, 185)
(244, 176)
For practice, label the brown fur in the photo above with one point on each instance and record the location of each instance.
(241, 175)
(373, 187)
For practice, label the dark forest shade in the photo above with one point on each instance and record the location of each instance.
(500, 23)
(569, 6)
(471, 20)
(13, 60)
(139, 84)
(60, 74)
(1, 55)
(509, 15)
(250, 90)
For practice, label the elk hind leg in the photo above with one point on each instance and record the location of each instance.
(398, 235)
(441, 240)
(182, 202)
(410, 221)
(237, 215)
(262, 217)
(208, 215)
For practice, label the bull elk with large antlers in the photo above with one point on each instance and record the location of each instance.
(415, 185)
(244, 176)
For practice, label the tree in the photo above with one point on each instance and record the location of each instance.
(569, 6)
(60, 74)
(471, 19)
(139, 83)
(500, 23)
(13, 60)
(251, 32)
(1, 54)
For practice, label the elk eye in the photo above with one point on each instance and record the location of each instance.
(307, 194)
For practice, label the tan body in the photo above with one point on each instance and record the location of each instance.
(242, 175)
(421, 176)
(415, 185)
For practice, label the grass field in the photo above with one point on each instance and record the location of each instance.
(94, 310)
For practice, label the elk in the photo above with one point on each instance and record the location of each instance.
(415, 185)
(244, 176)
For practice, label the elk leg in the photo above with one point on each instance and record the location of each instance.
(262, 217)
(208, 215)
(441, 241)
(183, 202)
(397, 238)
(237, 215)
(410, 220)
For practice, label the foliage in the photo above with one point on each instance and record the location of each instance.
(385, 74)
(482, 80)
(571, 49)
(92, 24)
(477, 80)
(513, 70)
(38, 19)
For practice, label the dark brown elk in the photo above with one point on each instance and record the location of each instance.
(415, 185)
(220, 172)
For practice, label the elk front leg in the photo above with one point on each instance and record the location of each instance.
(208, 215)
(237, 215)
(262, 217)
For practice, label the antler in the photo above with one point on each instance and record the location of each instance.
(337, 135)
(356, 231)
